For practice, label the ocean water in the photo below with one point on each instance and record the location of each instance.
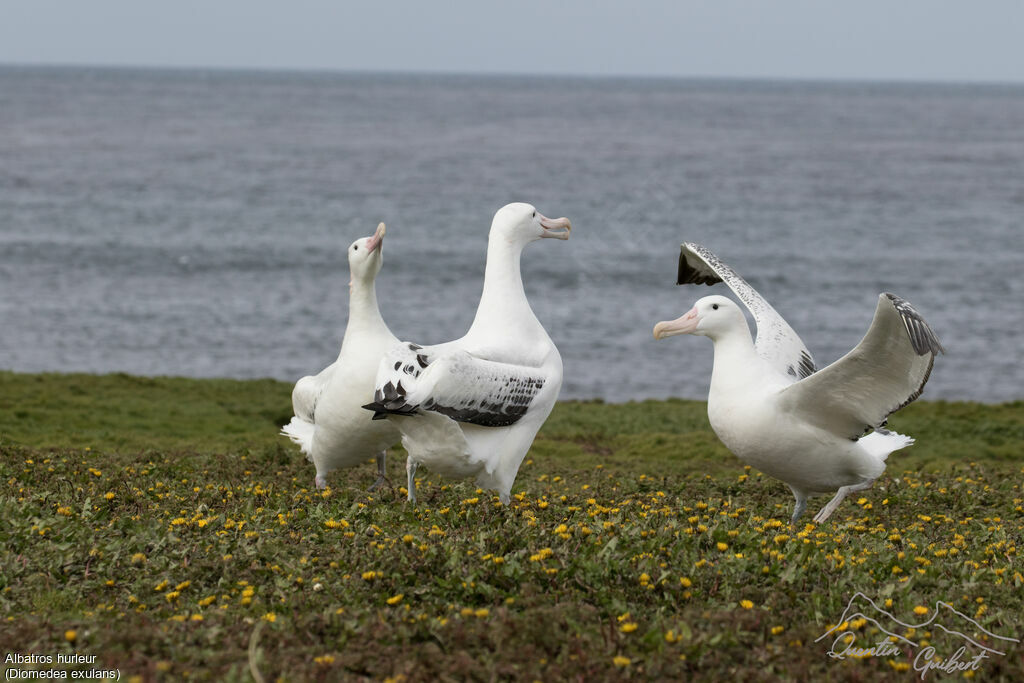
(195, 222)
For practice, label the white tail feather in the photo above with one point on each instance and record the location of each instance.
(881, 444)
(301, 432)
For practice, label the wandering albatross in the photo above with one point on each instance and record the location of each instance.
(330, 425)
(472, 407)
(816, 430)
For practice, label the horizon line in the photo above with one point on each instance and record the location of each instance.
(447, 73)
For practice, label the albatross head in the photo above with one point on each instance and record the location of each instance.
(366, 256)
(711, 316)
(520, 224)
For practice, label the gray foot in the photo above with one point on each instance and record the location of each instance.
(381, 481)
(382, 477)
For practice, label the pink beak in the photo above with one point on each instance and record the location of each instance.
(375, 241)
(684, 325)
(562, 225)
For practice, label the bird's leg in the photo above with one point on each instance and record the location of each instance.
(842, 493)
(382, 476)
(798, 507)
(504, 497)
(320, 482)
(410, 473)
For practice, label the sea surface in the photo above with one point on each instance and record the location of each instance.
(196, 222)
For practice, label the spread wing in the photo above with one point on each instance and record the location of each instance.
(884, 372)
(776, 341)
(455, 383)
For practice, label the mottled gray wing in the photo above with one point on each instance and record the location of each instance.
(884, 372)
(455, 383)
(776, 341)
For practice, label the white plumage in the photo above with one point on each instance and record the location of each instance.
(472, 407)
(816, 430)
(330, 425)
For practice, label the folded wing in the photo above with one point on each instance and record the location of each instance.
(884, 372)
(455, 383)
(776, 341)
(307, 393)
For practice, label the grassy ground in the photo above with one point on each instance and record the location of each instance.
(163, 526)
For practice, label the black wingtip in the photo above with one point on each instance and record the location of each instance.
(687, 274)
(806, 367)
(381, 410)
(922, 337)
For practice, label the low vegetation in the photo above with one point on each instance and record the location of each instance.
(162, 525)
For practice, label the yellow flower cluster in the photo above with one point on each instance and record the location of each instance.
(542, 555)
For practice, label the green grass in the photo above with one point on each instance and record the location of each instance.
(166, 524)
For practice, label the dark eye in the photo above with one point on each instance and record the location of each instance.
(714, 306)
(356, 248)
(534, 214)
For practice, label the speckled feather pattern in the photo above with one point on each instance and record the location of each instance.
(776, 342)
(921, 334)
(923, 339)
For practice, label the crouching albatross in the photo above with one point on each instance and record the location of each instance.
(472, 407)
(330, 425)
(818, 431)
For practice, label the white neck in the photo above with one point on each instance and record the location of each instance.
(736, 361)
(503, 302)
(364, 316)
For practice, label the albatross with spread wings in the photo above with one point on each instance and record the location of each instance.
(818, 431)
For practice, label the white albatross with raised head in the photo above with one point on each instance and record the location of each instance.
(472, 407)
(330, 426)
(818, 431)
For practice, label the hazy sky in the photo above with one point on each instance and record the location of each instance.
(980, 40)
